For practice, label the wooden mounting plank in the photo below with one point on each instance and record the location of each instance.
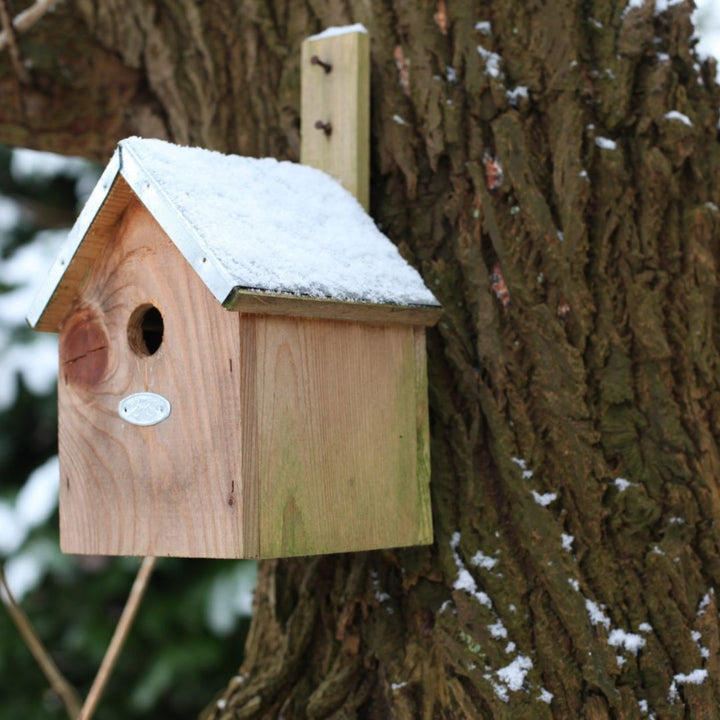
(340, 97)
(250, 301)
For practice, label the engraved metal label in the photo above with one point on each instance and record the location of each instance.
(144, 408)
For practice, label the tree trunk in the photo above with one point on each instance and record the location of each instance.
(553, 170)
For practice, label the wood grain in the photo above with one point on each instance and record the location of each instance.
(336, 436)
(173, 488)
(342, 98)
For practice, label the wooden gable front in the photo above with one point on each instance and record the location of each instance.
(173, 488)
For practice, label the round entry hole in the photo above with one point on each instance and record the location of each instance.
(145, 330)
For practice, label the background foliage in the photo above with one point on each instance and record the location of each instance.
(189, 634)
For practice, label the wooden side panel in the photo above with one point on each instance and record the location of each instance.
(170, 489)
(336, 436)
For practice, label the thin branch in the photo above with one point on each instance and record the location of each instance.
(26, 19)
(118, 638)
(20, 70)
(57, 680)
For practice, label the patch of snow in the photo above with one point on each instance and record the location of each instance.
(499, 689)
(596, 23)
(620, 660)
(516, 93)
(510, 647)
(605, 143)
(450, 74)
(574, 584)
(36, 361)
(498, 630)
(492, 62)
(632, 4)
(628, 641)
(12, 533)
(25, 570)
(36, 165)
(221, 703)
(697, 637)
(484, 27)
(696, 677)
(675, 115)
(465, 581)
(230, 598)
(38, 497)
(514, 674)
(380, 596)
(527, 474)
(567, 541)
(705, 602)
(339, 30)
(545, 696)
(662, 5)
(645, 627)
(9, 214)
(35, 502)
(399, 120)
(621, 484)
(596, 614)
(479, 559)
(706, 20)
(543, 499)
(397, 686)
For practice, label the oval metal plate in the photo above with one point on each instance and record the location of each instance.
(144, 408)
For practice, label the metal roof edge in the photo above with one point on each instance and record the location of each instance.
(67, 251)
(178, 228)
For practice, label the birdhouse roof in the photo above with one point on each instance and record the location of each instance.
(251, 228)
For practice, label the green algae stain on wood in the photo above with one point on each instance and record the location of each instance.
(342, 437)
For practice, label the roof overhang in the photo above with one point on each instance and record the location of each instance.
(126, 178)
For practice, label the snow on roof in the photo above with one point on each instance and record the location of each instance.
(257, 224)
(339, 30)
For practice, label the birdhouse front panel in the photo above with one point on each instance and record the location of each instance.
(144, 323)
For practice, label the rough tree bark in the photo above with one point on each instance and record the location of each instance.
(525, 161)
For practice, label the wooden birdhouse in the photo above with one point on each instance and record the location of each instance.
(242, 364)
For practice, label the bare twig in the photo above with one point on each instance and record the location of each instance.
(20, 70)
(26, 19)
(57, 680)
(118, 638)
